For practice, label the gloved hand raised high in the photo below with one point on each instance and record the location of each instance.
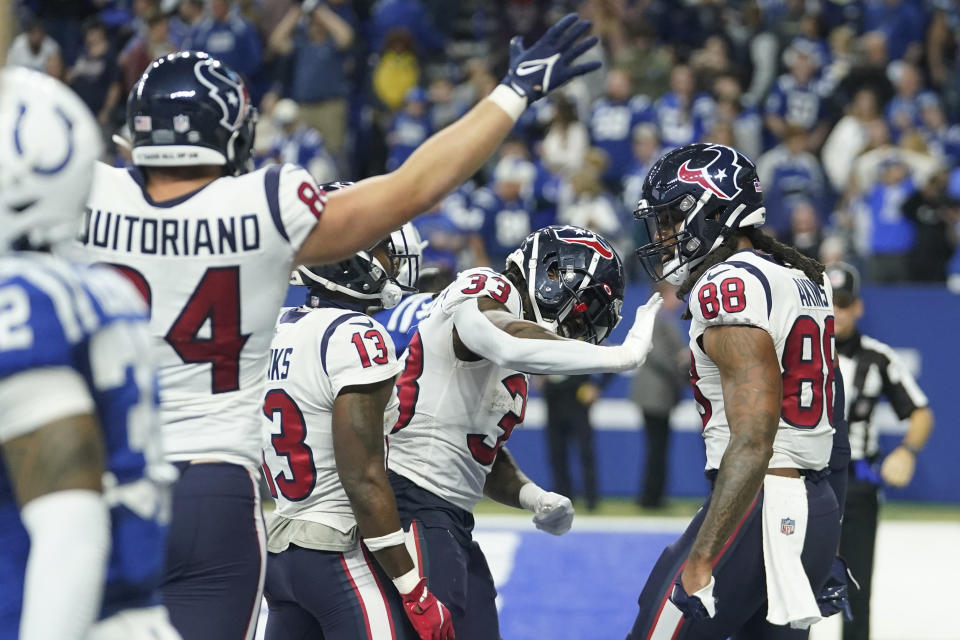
(548, 63)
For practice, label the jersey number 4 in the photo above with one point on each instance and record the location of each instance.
(215, 300)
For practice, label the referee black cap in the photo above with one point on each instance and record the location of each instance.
(845, 280)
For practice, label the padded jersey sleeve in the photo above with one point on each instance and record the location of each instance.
(357, 351)
(481, 283)
(39, 330)
(730, 295)
(295, 202)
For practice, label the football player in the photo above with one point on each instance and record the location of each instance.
(82, 491)
(329, 402)
(762, 340)
(210, 245)
(464, 389)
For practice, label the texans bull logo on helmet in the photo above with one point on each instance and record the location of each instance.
(718, 176)
(226, 89)
(581, 236)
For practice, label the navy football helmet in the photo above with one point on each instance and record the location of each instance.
(574, 281)
(693, 199)
(190, 109)
(364, 276)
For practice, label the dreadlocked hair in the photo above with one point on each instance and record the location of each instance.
(782, 253)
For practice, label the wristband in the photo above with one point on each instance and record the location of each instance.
(910, 448)
(529, 495)
(407, 582)
(382, 542)
(509, 100)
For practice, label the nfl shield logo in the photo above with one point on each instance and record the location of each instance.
(181, 123)
(787, 526)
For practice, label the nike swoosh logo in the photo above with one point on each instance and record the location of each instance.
(716, 273)
(362, 323)
(533, 66)
(527, 68)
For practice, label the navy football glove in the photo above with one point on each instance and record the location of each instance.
(548, 64)
(697, 606)
(834, 597)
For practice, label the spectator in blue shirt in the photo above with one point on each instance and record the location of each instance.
(612, 120)
(409, 128)
(796, 97)
(452, 230)
(507, 207)
(683, 115)
(408, 14)
(942, 138)
(788, 172)
(646, 150)
(889, 233)
(228, 37)
(297, 143)
(317, 43)
(744, 119)
(903, 112)
(903, 22)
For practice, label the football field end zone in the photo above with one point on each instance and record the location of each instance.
(584, 585)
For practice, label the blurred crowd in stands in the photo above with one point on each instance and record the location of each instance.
(850, 108)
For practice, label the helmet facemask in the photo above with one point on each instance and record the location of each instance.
(674, 248)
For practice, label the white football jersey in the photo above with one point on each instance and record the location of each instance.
(750, 289)
(315, 354)
(213, 266)
(454, 415)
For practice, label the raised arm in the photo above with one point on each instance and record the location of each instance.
(371, 209)
(485, 328)
(358, 451)
(752, 395)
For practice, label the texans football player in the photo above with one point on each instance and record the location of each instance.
(84, 496)
(464, 389)
(210, 245)
(755, 557)
(330, 400)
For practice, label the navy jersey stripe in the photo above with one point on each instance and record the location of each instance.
(329, 333)
(271, 182)
(760, 276)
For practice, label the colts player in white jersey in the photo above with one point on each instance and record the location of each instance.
(329, 402)
(755, 557)
(464, 389)
(210, 245)
(82, 488)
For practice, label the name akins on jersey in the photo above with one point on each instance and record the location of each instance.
(171, 236)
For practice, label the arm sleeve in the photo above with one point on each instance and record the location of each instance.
(566, 357)
(23, 412)
(359, 351)
(900, 388)
(732, 295)
(69, 545)
(295, 202)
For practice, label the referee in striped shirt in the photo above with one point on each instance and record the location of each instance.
(871, 371)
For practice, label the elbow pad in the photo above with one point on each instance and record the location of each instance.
(69, 546)
(567, 357)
